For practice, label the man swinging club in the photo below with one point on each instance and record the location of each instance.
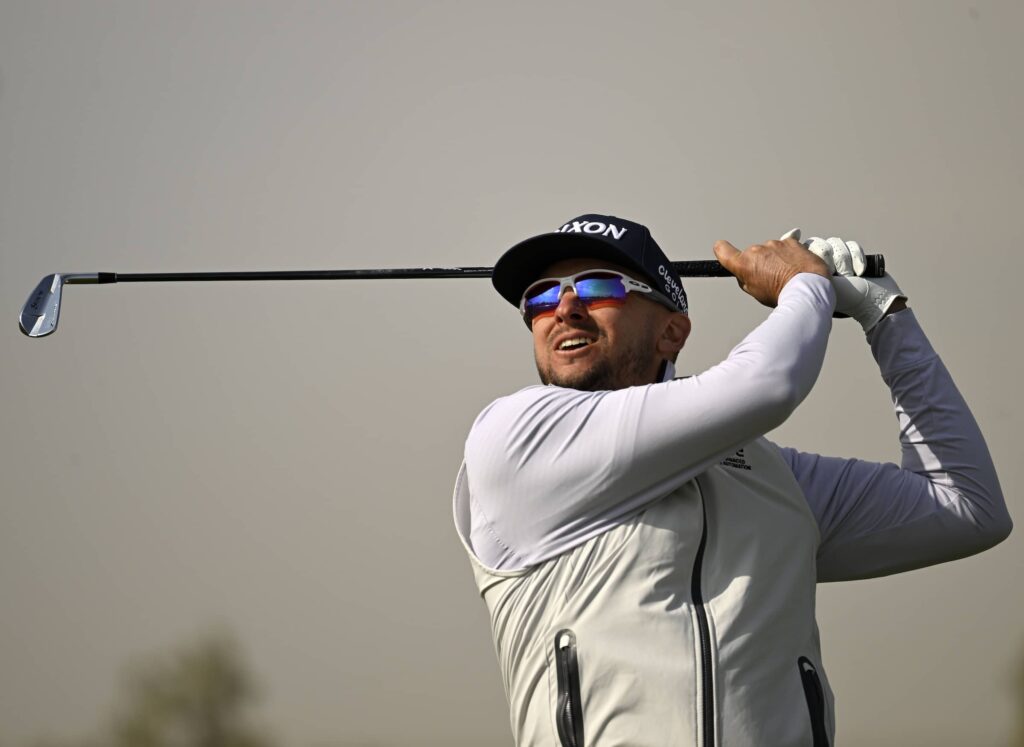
(648, 559)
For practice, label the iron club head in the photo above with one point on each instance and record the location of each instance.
(41, 311)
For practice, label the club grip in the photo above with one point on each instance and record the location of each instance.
(711, 268)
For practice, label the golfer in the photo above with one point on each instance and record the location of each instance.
(647, 558)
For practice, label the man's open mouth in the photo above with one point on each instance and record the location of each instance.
(575, 343)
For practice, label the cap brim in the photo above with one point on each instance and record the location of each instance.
(521, 265)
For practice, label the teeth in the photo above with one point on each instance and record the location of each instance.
(575, 342)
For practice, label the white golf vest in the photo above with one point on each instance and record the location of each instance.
(689, 623)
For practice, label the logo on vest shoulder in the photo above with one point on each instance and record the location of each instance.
(737, 461)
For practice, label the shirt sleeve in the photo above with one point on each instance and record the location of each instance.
(942, 503)
(550, 467)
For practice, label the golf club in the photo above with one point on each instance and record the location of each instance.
(41, 312)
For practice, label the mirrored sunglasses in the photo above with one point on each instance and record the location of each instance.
(595, 288)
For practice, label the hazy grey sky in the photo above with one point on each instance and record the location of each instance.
(279, 457)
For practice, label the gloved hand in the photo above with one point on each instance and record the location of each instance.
(865, 299)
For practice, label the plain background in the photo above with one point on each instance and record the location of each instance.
(278, 458)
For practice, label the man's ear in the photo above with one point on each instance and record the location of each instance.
(673, 336)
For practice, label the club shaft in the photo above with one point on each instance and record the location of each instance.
(689, 269)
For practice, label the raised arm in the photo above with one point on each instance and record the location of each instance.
(942, 503)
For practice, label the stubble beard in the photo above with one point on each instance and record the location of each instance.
(629, 369)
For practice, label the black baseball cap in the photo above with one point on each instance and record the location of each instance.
(600, 236)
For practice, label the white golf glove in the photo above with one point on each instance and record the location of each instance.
(865, 299)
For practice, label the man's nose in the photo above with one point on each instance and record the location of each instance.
(570, 307)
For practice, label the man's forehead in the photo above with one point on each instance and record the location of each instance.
(573, 265)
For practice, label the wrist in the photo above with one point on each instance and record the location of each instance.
(899, 304)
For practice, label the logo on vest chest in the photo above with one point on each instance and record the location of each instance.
(737, 461)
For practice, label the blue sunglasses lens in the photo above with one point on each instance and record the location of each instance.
(593, 289)
(544, 294)
(542, 299)
(600, 288)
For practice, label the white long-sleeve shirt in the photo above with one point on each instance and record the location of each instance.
(552, 467)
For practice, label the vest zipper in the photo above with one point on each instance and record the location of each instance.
(815, 695)
(707, 694)
(569, 711)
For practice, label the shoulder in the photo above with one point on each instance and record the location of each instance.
(501, 413)
(529, 413)
(534, 398)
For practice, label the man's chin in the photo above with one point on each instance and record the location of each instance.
(593, 378)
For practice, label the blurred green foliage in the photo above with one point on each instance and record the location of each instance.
(196, 696)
